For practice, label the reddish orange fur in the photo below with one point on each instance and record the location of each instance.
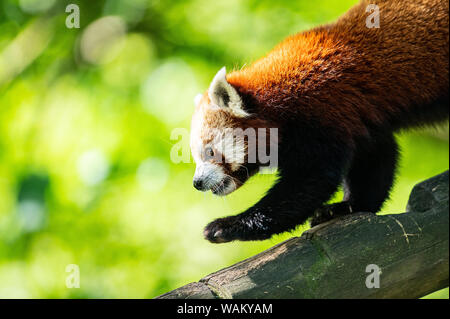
(347, 73)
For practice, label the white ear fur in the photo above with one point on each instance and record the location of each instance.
(197, 99)
(223, 94)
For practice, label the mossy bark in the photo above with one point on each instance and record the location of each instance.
(410, 249)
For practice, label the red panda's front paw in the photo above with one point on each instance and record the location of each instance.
(221, 230)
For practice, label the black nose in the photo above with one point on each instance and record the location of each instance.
(198, 184)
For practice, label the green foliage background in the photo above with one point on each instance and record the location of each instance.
(85, 122)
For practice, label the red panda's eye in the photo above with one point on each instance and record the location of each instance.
(209, 152)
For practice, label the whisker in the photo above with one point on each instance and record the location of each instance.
(232, 179)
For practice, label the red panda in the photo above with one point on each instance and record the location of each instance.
(336, 94)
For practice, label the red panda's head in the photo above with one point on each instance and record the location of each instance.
(218, 147)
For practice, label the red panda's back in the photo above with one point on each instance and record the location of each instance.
(404, 63)
(353, 71)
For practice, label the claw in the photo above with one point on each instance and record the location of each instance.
(214, 236)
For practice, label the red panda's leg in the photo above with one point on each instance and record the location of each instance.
(282, 209)
(371, 174)
(301, 189)
(368, 182)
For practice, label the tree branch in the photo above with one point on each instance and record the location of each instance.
(330, 260)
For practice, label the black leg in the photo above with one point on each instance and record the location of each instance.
(368, 182)
(371, 176)
(304, 184)
(279, 211)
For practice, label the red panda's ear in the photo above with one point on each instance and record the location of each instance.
(224, 95)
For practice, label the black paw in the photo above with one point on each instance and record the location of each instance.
(328, 212)
(222, 230)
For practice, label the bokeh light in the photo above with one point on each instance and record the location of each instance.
(36, 6)
(93, 167)
(100, 38)
(165, 92)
